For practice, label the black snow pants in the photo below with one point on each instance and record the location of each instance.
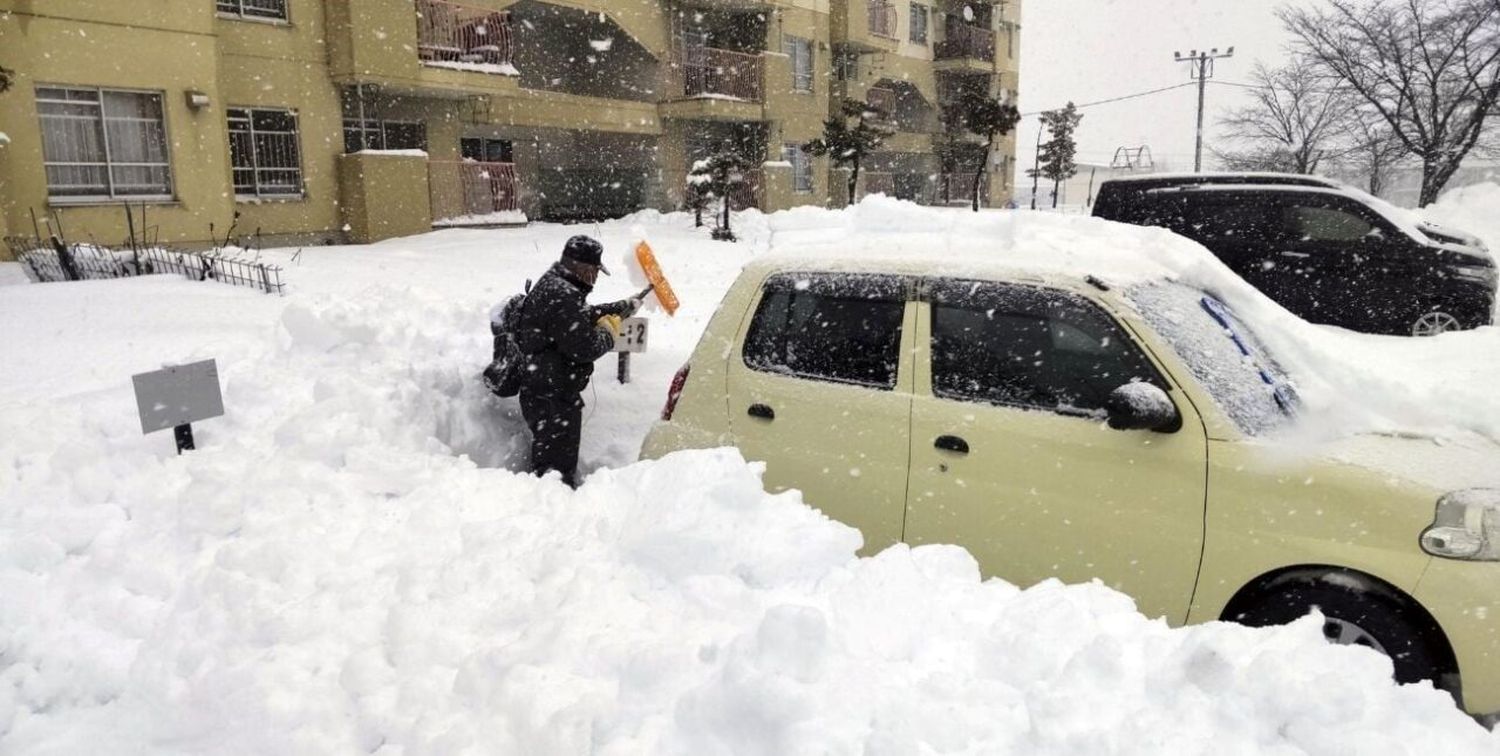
(556, 423)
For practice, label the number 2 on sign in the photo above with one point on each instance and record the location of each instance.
(632, 335)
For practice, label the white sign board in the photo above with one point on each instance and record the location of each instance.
(178, 395)
(632, 335)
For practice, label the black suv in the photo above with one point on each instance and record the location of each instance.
(1326, 252)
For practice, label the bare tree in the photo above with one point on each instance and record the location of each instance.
(1293, 122)
(1375, 150)
(1430, 68)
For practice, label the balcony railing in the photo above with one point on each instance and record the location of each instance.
(470, 191)
(748, 193)
(958, 188)
(711, 72)
(882, 18)
(463, 37)
(965, 41)
(885, 101)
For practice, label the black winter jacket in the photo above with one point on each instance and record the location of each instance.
(558, 335)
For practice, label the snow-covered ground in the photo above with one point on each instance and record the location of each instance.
(348, 565)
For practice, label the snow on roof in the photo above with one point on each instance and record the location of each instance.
(1224, 175)
(903, 237)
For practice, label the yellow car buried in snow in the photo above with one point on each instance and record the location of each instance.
(1058, 426)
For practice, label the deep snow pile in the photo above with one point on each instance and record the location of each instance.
(1474, 208)
(345, 566)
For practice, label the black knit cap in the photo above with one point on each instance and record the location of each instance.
(586, 249)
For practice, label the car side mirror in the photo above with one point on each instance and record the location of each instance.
(1142, 406)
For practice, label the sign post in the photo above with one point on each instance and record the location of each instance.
(632, 339)
(177, 396)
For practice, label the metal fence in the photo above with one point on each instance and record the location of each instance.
(709, 71)
(748, 193)
(44, 263)
(470, 189)
(958, 188)
(964, 40)
(454, 33)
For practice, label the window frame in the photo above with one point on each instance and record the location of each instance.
(793, 47)
(239, 14)
(379, 127)
(109, 164)
(256, 168)
(931, 297)
(802, 168)
(920, 10)
(782, 281)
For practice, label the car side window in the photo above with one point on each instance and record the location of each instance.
(1207, 219)
(1318, 223)
(1029, 347)
(830, 327)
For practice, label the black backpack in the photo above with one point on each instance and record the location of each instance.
(503, 376)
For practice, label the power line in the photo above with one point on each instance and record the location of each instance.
(1117, 99)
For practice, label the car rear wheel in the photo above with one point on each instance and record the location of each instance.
(1434, 323)
(1353, 616)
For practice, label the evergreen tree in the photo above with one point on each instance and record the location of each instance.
(697, 199)
(851, 136)
(988, 117)
(1060, 152)
(718, 176)
(6, 75)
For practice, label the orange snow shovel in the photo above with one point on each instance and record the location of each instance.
(664, 293)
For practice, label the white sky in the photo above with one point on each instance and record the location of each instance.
(1088, 50)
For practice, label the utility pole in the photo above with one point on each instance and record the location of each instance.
(1036, 171)
(1202, 69)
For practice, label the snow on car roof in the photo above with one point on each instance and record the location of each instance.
(1290, 178)
(901, 237)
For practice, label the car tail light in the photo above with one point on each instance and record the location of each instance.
(675, 392)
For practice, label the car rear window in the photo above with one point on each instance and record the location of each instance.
(829, 327)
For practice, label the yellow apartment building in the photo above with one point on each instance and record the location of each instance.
(322, 121)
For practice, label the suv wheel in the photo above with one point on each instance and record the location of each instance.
(1354, 617)
(1434, 323)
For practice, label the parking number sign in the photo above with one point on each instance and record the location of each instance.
(632, 335)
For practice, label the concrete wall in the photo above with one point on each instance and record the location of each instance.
(383, 196)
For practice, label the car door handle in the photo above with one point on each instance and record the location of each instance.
(762, 411)
(1298, 255)
(952, 443)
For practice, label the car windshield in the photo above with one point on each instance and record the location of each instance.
(1223, 353)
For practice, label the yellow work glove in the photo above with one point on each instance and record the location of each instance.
(610, 323)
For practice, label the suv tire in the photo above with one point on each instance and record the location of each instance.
(1435, 322)
(1353, 616)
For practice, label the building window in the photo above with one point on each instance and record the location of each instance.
(272, 9)
(486, 150)
(264, 153)
(103, 143)
(802, 178)
(846, 66)
(800, 52)
(919, 24)
(379, 134)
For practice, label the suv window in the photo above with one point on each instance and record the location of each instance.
(830, 327)
(1326, 224)
(1029, 347)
